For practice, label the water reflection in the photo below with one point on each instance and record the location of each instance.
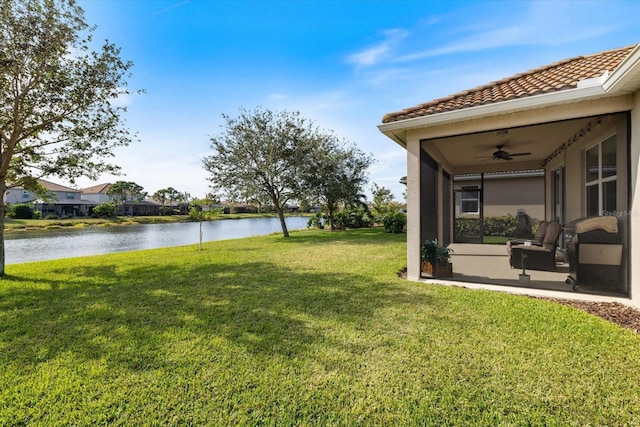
(41, 245)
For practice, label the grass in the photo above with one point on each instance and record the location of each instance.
(312, 330)
(495, 240)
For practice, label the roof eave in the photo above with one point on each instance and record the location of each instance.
(626, 77)
(397, 130)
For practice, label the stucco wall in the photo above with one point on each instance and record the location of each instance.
(96, 197)
(413, 208)
(16, 195)
(634, 202)
(505, 196)
(573, 160)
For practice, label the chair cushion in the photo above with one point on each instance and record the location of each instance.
(553, 232)
(541, 231)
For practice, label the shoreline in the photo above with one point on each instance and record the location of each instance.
(26, 225)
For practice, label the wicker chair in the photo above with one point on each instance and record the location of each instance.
(541, 257)
(536, 240)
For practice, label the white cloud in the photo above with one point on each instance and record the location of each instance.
(277, 97)
(173, 6)
(538, 25)
(375, 54)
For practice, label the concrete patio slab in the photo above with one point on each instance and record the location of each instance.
(481, 266)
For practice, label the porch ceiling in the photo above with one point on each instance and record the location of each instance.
(472, 153)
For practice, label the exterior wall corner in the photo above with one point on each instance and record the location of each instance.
(413, 209)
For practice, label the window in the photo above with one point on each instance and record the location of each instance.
(470, 200)
(600, 178)
(25, 194)
(71, 196)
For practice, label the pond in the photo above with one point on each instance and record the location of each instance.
(42, 245)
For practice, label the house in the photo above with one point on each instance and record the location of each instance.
(578, 120)
(96, 193)
(17, 195)
(141, 208)
(61, 201)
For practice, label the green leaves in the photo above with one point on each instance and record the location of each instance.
(272, 157)
(57, 112)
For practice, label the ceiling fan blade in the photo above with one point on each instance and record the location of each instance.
(519, 154)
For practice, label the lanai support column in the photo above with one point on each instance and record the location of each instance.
(413, 209)
(634, 204)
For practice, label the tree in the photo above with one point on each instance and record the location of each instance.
(200, 210)
(260, 157)
(383, 203)
(169, 194)
(57, 111)
(105, 210)
(126, 191)
(184, 200)
(336, 175)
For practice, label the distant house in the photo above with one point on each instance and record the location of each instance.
(239, 208)
(65, 201)
(141, 208)
(61, 201)
(17, 195)
(97, 193)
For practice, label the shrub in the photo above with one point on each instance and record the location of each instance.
(394, 223)
(105, 210)
(22, 211)
(316, 221)
(351, 218)
(52, 216)
(502, 226)
(467, 227)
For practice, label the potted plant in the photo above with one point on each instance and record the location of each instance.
(436, 259)
(523, 278)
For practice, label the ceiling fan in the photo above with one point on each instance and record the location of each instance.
(500, 154)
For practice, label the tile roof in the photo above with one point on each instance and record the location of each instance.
(56, 187)
(99, 188)
(551, 78)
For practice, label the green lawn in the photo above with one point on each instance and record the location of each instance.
(313, 330)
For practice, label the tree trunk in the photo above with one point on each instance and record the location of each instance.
(283, 224)
(3, 189)
(332, 226)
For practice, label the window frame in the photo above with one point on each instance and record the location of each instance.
(600, 181)
(463, 199)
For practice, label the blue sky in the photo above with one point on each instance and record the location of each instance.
(342, 64)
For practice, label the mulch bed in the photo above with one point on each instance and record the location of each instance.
(620, 314)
